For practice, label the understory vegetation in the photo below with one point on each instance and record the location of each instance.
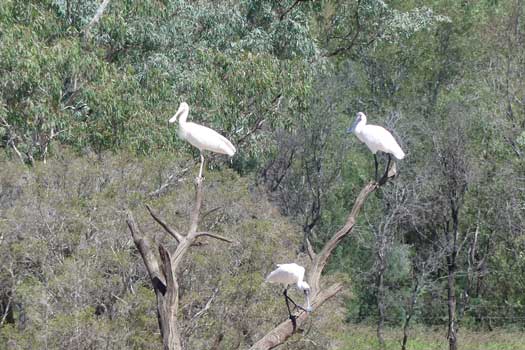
(84, 142)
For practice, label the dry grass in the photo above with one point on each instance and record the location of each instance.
(364, 337)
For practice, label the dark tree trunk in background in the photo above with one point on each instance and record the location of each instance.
(380, 285)
(410, 313)
(451, 291)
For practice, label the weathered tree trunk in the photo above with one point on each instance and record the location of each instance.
(168, 305)
(162, 268)
(286, 329)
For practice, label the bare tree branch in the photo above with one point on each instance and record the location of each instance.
(178, 237)
(285, 330)
(310, 249)
(282, 332)
(172, 179)
(213, 235)
(11, 139)
(322, 257)
(150, 259)
(95, 18)
(207, 306)
(194, 218)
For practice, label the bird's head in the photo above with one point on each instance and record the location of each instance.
(183, 108)
(360, 118)
(305, 287)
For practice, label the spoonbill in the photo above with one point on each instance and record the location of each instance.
(289, 274)
(203, 138)
(376, 138)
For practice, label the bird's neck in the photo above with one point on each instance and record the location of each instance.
(182, 119)
(183, 116)
(359, 127)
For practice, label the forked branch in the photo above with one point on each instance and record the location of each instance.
(150, 259)
(178, 237)
(283, 331)
(162, 268)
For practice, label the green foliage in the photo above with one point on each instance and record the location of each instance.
(282, 80)
(75, 278)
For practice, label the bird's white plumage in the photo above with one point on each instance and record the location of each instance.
(204, 138)
(289, 274)
(286, 274)
(376, 137)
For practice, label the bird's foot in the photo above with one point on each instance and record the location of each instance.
(390, 173)
(293, 318)
(199, 180)
(308, 309)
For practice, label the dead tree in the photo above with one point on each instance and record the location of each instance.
(162, 266)
(286, 329)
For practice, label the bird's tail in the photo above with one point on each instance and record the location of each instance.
(399, 154)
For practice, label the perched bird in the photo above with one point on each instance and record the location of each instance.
(376, 138)
(205, 139)
(288, 274)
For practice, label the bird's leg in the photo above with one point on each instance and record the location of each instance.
(384, 179)
(293, 302)
(286, 298)
(298, 306)
(388, 164)
(292, 317)
(202, 165)
(376, 164)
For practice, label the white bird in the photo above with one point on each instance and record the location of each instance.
(376, 138)
(289, 274)
(205, 139)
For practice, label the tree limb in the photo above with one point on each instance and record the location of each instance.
(169, 305)
(194, 218)
(172, 179)
(282, 332)
(213, 235)
(150, 259)
(95, 18)
(207, 306)
(290, 9)
(322, 257)
(310, 249)
(354, 37)
(285, 330)
(178, 237)
(11, 139)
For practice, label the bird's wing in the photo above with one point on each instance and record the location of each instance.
(381, 139)
(208, 139)
(286, 274)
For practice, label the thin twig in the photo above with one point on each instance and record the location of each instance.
(354, 37)
(290, 9)
(178, 237)
(207, 306)
(213, 235)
